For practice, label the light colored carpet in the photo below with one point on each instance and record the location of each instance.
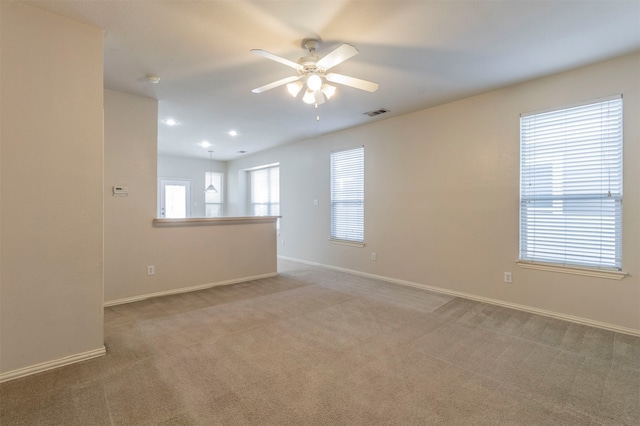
(319, 347)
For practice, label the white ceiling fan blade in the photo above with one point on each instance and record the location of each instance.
(277, 58)
(369, 86)
(337, 56)
(276, 84)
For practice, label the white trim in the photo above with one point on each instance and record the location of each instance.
(50, 365)
(587, 272)
(186, 289)
(347, 242)
(525, 308)
(222, 220)
(266, 166)
(573, 105)
(346, 149)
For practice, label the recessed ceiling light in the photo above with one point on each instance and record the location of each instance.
(233, 133)
(170, 122)
(205, 144)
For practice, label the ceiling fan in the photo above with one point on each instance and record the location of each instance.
(312, 73)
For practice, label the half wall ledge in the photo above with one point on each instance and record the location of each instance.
(214, 221)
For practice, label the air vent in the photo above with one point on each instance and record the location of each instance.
(377, 112)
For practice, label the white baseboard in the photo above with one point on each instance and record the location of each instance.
(50, 365)
(525, 308)
(186, 289)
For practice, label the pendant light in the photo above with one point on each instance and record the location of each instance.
(211, 188)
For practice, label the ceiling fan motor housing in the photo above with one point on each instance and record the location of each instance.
(309, 66)
(309, 62)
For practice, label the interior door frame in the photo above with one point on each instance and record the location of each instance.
(162, 183)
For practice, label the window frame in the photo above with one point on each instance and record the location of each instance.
(220, 193)
(273, 207)
(350, 230)
(572, 153)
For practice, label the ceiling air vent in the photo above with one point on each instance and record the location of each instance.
(377, 112)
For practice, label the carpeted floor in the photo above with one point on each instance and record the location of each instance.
(319, 347)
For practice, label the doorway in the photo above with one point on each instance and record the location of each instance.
(175, 198)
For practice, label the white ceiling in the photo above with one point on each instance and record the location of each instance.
(422, 53)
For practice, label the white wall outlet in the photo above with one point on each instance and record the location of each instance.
(151, 270)
(507, 277)
(282, 242)
(315, 202)
(374, 256)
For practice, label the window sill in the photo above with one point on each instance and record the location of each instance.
(346, 243)
(573, 270)
(208, 221)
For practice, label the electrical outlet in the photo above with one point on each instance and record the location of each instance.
(507, 277)
(282, 242)
(151, 270)
(374, 256)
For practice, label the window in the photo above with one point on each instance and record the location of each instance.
(212, 199)
(571, 185)
(347, 195)
(265, 191)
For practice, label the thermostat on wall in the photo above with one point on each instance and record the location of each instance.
(120, 191)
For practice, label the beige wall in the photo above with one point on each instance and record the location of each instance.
(442, 188)
(184, 257)
(51, 288)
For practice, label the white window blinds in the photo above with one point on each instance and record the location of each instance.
(347, 195)
(265, 191)
(571, 185)
(213, 199)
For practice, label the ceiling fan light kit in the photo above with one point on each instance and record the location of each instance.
(312, 73)
(314, 82)
(328, 90)
(309, 97)
(294, 88)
